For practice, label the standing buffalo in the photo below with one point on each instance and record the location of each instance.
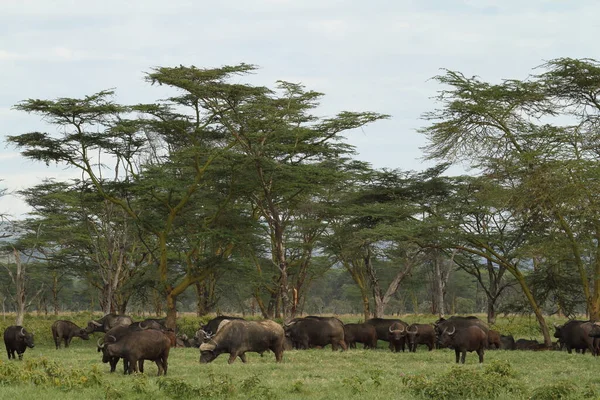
(459, 323)
(361, 333)
(311, 332)
(576, 335)
(67, 330)
(107, 322)
(239, 336)
(420, 334)
(382, 326)
(494, 339)
(470, 338)
(16, 338)
(397, 336)
(136, 346)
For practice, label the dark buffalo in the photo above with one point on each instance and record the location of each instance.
(135, 346)
(360, 333)
(239, 336)
(420, 334)
(494, 339)
(16, 338)
(67, 330)
(397, 336)
(147, 324)
(527, 344)
(576, 335)
(184, 341)
(382, 326)
(459, 323)
(210, 329)
(507, 342)
(114, 335)
(107, 322)
(306, 333)
(470, 338)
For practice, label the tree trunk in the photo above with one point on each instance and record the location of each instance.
(439, 285)
(171, 321)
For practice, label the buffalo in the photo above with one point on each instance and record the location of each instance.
(382, 326)
(360, 333)
(16, 338)
(305, 333)
(67, 330)
(507, 342)
(420, 334)
(469, 338)
(528, 344)
(397, 336)
(136, 346)
(576, 335)
(107, 322)
(239, 336)
(494, 341)
(459, 323)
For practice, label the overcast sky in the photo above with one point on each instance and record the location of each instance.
(364, 55)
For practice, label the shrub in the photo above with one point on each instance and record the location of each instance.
(560, 390)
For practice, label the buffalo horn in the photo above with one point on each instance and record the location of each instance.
(101, 345)
(415, 331)
(22, 333)
(111, 336)
(96, 323)
(142, 327)
(453, 331)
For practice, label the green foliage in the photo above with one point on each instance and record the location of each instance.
(556, 391)
(45, 373)
(466, 383)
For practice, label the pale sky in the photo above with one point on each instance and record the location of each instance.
(364, 55)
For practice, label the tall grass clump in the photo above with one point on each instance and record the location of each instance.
(462, 382)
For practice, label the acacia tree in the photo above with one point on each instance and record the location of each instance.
(161, 178)
(289, 159)
(549, 169)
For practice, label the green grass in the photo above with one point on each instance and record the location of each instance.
(314, 374)
(77, 373)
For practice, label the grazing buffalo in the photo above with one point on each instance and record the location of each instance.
(494, 339)
(67, 330)
(576, 335)
(459, 323)
(360, 333)
(239, 336)
(107, 322)
(135, 346)
(507, 342)
(16, 338)
(420, 334)
(306, 333)
(397, 336)
(469, 338)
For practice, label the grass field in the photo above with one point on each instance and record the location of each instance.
(77, 373)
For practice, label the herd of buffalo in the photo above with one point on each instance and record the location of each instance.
(135, 342)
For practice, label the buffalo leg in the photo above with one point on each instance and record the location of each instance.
(141, 365)
(232, 357)
(133, 365)
(57, 342)
(480, 354)
(243, 357)
(67, 341)
(159, 364)
(457, 352)
(463, 356)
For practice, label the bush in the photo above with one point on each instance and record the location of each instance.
(560, 390)
(466, 383)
